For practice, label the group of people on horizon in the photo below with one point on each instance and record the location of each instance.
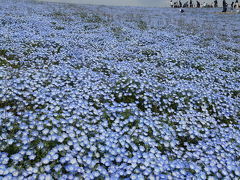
(234, 5)
(190, 4)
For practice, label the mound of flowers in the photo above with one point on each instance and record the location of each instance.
(104, 93)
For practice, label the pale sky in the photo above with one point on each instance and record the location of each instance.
(144, 3)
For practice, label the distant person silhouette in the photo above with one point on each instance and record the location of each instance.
(171, 3)
(198, 4)
(224, 6)
(180, 4)
(215, 3)
(190, 3)
(232, 4)
(237, 5)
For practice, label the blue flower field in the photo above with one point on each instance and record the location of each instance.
(98, 92)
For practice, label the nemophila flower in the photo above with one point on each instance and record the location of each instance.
(4, 160)
(42, 176)
(2, 169)
(16, 157)
(70, 168)
(46, 160)
(47, 168)
(15, 173)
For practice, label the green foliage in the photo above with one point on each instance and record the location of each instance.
(186, 139)
(149, 52)
(9, 59)
(142, 25)
(11, 149)
(57, 14)
(90, 27)
(161, 148)
(59, 28)
(199, 67)
(104, 69)
(94, 18)
(138, 143)
(126, 114)
(107, 117)
(3, 52)
(3, 62)
(117, 32)
(41, 152)
(9, 103)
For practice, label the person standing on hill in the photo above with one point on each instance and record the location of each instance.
(232, 4)
(237, 5)
(171, 3)
(224, 6)
(180, 4)
(198, 4)
(215, 3)
(190, 4)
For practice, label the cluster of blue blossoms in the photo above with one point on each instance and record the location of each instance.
(95, 92)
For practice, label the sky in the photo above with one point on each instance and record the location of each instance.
(144, 3)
